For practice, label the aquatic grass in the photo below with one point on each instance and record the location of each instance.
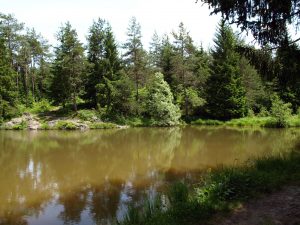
(221, 190)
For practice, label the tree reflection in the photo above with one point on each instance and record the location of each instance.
(98, 173)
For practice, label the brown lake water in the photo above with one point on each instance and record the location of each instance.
(57, 177)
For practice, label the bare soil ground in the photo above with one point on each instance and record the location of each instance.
(279, 208)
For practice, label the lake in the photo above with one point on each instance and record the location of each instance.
(73, 177)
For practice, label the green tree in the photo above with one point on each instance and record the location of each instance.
(254, 88)
(280, 111)
(267, 19)
(225, 93)
(108, 88)
(103, 81)
(287, 58)
(135, 56)
(160, 107)
(69, 67)
(155, 50)
(8, 91)
(96, 57)
(187, 71)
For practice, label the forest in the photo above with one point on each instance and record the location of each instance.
(172, 82)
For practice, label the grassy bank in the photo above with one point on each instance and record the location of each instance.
(292, 121)
(219, 191)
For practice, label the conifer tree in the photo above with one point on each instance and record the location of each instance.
(8, 93)
(225, 93)
(68, 67)
(135, 55)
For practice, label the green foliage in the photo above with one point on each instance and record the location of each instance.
(41, 106)
(225, 93)
(45, 126)
(287, 58)
(263, 112)
(255, 93)
(68, 67)
(8, 92)
(101, 125)
(87, 115)
(267, 26)
(135, 56)
(219, 191)
(21, 126)
(159, 105)
(280, 111)
(65, 125)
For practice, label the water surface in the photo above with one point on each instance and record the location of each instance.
(56, 177)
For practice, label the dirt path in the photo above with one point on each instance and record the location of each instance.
(279, 208)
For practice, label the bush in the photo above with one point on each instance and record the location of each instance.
(159, 103)
(41, 107)
(87, 115)
(65, 125)
(101, 125)
(280, 111)
(21, 126)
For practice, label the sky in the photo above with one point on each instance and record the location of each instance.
(162, 16)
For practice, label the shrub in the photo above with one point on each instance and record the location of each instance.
(280, 111)
(101, 125)
(159, 103)
(65, 125)
(87, 115)
(21, 126)
(41, 106)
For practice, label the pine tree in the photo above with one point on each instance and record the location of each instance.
(155, 50)
(8, 91)
(225, 93)
(135, 55)
(68, 67)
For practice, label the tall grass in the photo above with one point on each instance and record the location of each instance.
(292, 121)
(220, 191)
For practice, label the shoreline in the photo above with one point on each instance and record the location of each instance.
(29, 121)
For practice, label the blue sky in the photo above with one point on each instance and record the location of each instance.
(160, 15)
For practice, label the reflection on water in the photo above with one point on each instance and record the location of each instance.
(55, 177)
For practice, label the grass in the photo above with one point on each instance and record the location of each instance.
(65, 125)
(101, 125)
(293, 121)
(220, 191)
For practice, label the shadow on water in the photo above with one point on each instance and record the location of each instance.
(51, 177)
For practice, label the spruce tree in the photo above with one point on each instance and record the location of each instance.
(68, 67)
(225, 93)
